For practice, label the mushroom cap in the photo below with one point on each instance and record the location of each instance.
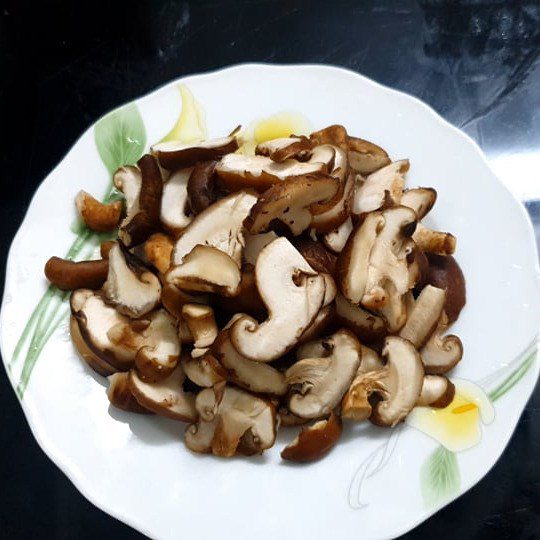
(283, 148)
(444, 272)
(202, 189)
(94, 319)
(318, 384)
(381, 187)
(366, 157)
(430, 241)
(96, 215)
(293, 294)
(425, 314)
(120, 396)
(166, 397)
(69, 275)
(174, 202)
(437, 391)
(317, 256)
(315, 441)
(238, 171)
(231, 421)
(254, 376)
(404, 376)
(206, 269)
(291, 202)
(421, 200)
(441, 353)
(130, 286)
(219, 226)
(367, 326)
(174, 155)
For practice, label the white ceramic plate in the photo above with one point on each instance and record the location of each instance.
(376, 483)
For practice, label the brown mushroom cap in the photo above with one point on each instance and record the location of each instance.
(231, 421)
(201, 187)
(173, 299)
(166, 397)
(291, 202)
(444, 272)
(366, 157)
(175, 155)
(292, 292)
(119, 394)
(219, 226)
(315, 441)
(437, 391)
(206, 269)
(96, 215)
(69, 275)
(421, 200)
(317, 256)
(318, 384)
(279, 150)
(130, 286)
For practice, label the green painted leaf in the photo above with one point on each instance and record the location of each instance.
(439, 477)
(120, 137)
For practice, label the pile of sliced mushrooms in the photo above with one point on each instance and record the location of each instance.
(293, 287)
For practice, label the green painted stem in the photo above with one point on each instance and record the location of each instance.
(513, 378)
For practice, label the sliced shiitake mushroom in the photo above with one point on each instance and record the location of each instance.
(231, 421)
(336, 239)
(206, 269)
(431, 241)
(292, 292)
(120, 396)
(398, 385)
(69, 275)
(202, 189)
(441, 353)
(437, 391)
(201, 323)
(175, 155)
(320, 259)
(279, 150)
(315, 441)
(421, 200)
(254, 244)
(205, 371)
(166, 397)
(174, 213)
(157, 251)
(365, 157)
(291, 202)
(368, 327)
(130, 286)
(98, 216)
(318, 384)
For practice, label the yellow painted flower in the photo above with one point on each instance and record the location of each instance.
(457, 427)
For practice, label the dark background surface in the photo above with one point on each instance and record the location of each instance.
(62, 65)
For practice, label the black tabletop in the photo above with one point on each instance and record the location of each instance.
(63, 64)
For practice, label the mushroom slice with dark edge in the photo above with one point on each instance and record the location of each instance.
(336, 239)
(441, 353)
(120, 396)
(381, 188)
(202, 190)
(437, 391)
(142, 189)
(231, 421)
(279, 150)
(174, 207)
(174, 155)
(174, 299)
(288, 419)
(201, 323)
(293, 294)
(425, 314)
(98, 216)
(318, 384)
(237, 171)
(205, 371)
(365, 157)
(332, 213)
(320, 324)
(444, 272)
(353, 263)
(367, 326)
(430, 241)
(421, 200)
(291, 202)
(91, 321)
(314, 442)
(130, 286)
(253, 376)
(335, 135)
(219, 226)
(157, 251)
(69, 275)
(398, 385)
(320, 259)
(166, 397)
(206, 269)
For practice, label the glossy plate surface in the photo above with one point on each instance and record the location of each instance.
(376, 483)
